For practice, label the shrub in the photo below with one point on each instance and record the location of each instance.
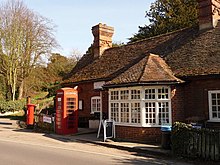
(180, 138)
(11, 106)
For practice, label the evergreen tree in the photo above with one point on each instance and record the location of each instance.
(166, 16)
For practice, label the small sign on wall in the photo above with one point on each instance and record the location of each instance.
(98, 85)
(80, 105)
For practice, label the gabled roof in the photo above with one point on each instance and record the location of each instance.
(117, 60)
(151, 69)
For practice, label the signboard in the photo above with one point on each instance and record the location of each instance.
(47, 119)
(98, 85)
(109, 129)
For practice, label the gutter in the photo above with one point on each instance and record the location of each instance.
(141, 84)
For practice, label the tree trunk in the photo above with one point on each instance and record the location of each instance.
(21, 90)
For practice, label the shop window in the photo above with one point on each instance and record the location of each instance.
(143, 106)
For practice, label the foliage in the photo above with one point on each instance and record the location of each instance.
(166, 16)
(52, 90)
(25, 38)
(191, 142)
(180, 137)
(59, 65)
(11, 106)
(42, 126)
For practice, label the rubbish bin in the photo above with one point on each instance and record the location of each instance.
(166, 137)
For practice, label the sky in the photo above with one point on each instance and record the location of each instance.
(74, 19)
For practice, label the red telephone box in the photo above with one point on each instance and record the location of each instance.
(66, 111)
(30, 114)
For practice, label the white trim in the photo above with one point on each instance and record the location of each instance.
(95, 97)
(137, 125)
(211, 119)
(142, 102)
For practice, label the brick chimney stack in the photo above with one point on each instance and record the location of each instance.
(209, 13)
(102, 38)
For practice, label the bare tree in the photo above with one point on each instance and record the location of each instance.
(24, 37)
(75, 54)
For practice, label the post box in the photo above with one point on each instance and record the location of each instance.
(30, 115)
(66, 111)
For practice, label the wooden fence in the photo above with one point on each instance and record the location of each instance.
(203, 143)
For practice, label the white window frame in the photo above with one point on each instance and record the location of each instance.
(156, 101)
(95, 98)
(211, 118)
(141, 102)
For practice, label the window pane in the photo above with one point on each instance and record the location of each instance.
(115, 112)
(150, 112)
(125, 112)
(135, 112)
(114, 95)
(213, 96)
(135, 94)
(163, 93)
(124, 95)
(214, 115)
(163, 112)
(215, 104)
(95, 104)
(150, 93)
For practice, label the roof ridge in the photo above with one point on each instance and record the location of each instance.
(158, 36)
(144, 66)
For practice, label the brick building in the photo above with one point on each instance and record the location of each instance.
(155, 81)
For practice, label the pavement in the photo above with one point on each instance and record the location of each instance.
(88, 135)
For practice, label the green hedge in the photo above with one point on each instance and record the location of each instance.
(202, 143)
(10, 106)
(180, 138)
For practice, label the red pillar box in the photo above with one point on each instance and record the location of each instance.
(30, 114)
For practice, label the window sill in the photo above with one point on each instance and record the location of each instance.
(138, 125)
(92, 113)
(214, 121)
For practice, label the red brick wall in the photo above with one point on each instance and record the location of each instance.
(86, 91)
(105, 102)
(139, 134)
(177, 103)
(196, 96)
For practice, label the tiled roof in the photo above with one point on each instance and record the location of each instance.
(83, 62)
(187, 52)
(117, 60)
(199, 56)
(151, 69)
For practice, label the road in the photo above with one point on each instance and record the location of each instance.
(20, 147)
